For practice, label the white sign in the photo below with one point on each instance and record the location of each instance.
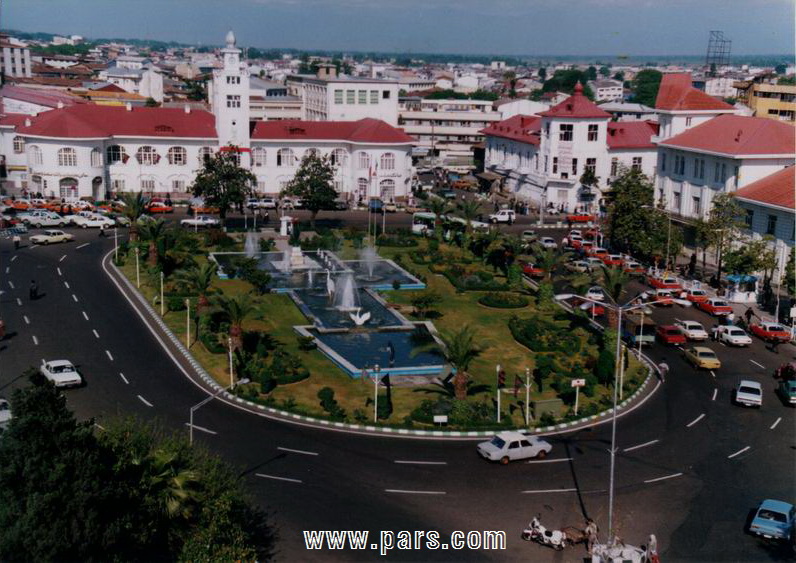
(793, 312)
(440, 419)
(578, 383)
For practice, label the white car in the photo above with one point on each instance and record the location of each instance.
(268, 203)
(503, 216)
(529, 236)
(596, 293)
(51, 236)
(511, 446)
(749, 393)
(579, 266)
(5, 414)
(595, 264)
(62, 373)
(547, 242)
(200, 221)
(692, 330)
(41, 218)
(95, 221)
(733, 335)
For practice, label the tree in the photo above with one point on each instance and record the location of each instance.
(549, 260)
(440, 208)
(605, 71)
(619, 76)
(198, 279)
(536, 94)
(423, 302)
(789, 277)
(613, 281)
(134, 208)
(542, 73)
(484, 95)
(237, 309)
(153, 232)
(723, 225)
(787, 81)
(752, 256)
(196, 90)
(591, 73)
(314, 184)
(459, 350)
(222, 182)
(589, 179)
(151, 103)
(645, 86)
(781, 68)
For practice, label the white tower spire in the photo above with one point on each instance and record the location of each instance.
(230, 99)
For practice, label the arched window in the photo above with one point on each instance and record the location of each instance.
(362, 189)
(96, 158)
(387, 190)
(258, 156)
(339, 157)
(178, 156)
(387, 161)
(147, 155)
(116, 153)
(285, 157)
(19, 145)
(67, 188)
(67, 157)
(205, 154)
(34, 155)
(364, 160)
(311, 152)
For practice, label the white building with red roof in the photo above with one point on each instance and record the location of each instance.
(680, 106)
(542, 158)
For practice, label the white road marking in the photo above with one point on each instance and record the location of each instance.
(644, 445)
(85, 316)
(35, 340)
(406, 492)
(99, 426)
(147, 403)
(124, 378)
(66, 285)
(26, 319)
(775, 424)
(201, 429)
(19, 301)
(713, 374)
(672, 476)
(758, 365)
(739, 452)
(85, 244)
(296, 451)
(264, 476)
(109, 355)
(62, 258)
(59, 271)
(715, 392)
(697, 419)
(13, 258)
(74, 297)
(409, 462)
(8, 268)
(10, 284)
(550, 491)
(94, 330)
(558, 460)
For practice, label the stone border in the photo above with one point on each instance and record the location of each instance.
(286, 416)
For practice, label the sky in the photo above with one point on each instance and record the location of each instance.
(521, 27)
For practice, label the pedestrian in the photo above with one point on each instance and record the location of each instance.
(33, 290)
(2, 329)
(591, 532)
(748, 315)
(17, 239)
(775, 342)
(663, 369)
(730, 318)
(102, 231)
(714, 332)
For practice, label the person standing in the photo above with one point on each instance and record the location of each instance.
(730, 318)
(714, 332)
(748, 315)
(33, 290)
(591, 532)
(17, 240)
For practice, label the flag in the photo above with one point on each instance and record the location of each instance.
(391, 351)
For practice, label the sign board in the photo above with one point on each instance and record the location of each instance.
(793, 312)
(440, 419)
(578, 383)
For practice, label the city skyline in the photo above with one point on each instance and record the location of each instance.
(505, 27)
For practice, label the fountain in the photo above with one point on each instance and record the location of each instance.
(346, 297)
(252, 245)
(369, 257)
(309, 278)
(329, 284)
(359, 317)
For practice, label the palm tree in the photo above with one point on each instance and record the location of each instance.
(238, 308)
(134, 207)
(172, 483)
(440, 208)
(549, 260)
(198, 279)
(459, 350)
(469, 209)
(153, 232)
(613, 282)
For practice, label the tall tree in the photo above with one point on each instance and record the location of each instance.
(724, 224)
(153, 232)
(440, 208)
(237, 308)
(198, 279)
(605, 71)
(459, 350)
(222, 182)
(542, 73)
(314, 184)
(645, 86)
(134, 208)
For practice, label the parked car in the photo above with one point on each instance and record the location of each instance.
(612, 260)
(733, 335)
(696, 295)
(529, 236)
(447, 194)
(159, 207)
(5, 414)
(94, 221)
(670, 334)
(596, 293)
(503, 216)
(748, 393)
(593, 309)
(200, 221)
(787, 391)
(665, 282)
(594, 263)
(268, 203)
(512, 446)
(390, 207)
(580, 218)
(633, 267)
(770, 331)
(579, 266)
(575, 241)
(532, 270)
(662, 297)
(62, 373)
(702, 358)
(253, 203)
(773, 520)
(692, 330)
(51, 236)
(597, 252)
(715, 306)
(547, 242)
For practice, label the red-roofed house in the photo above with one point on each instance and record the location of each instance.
(721, 155)
(19, 99)
(542, 158)
(680, 106)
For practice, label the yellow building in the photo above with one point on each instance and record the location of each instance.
(774, 101)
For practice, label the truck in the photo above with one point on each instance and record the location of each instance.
(503, 216)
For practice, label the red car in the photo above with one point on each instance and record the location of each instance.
(532, 270)
(597, 252)
(586, 246)
(159, 207)
(580, 218)
(696, 295)
(612, 260)
(593, 309)
(770, 331)
(715, 306)
(662, 297)
(670, 334)
(664, 282)
(632, 267)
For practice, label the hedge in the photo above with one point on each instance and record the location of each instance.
(503, 300)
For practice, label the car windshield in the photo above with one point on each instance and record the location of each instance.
(776, 328)
(772, 515)
(706, 354)
(62, 369)
(697, 292)
(749, 390)
(498, 442)
(673, 331)
(736, 332)
(720, 304)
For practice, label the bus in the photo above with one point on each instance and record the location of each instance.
(423, 224)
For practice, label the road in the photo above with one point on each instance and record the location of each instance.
(690, 465)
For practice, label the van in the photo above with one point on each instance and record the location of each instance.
(636, 331)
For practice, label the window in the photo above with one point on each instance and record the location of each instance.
(696, 205)
(771, 224)
(565, 132)
(350, 96)
(233, 101)
(387, 190)
(374, 96)
(147, 185)
(205, 154)
(178, 156)
(688, 121)
(699, 168)
(362, 188)
(233, 79)
(614, 166)
(339, 157)
(285, 157)
(387, 161)
(258, 156)
(737, 176)
(679, 164)
(364, 160)
(750, 215)
(178, 185)
(636, 164)
(385, 95)
(19, 145)
(362, 96)
(338, 97)
(663, 162)
(593, 131)
(117, 185)
(96, 158)
(591, 165)
(67, 157)
(147, 155)
(555, 165)
(116, 153)
(547, 129)
(723, 176)
(563, 195)
(34, 155)
(545, 163)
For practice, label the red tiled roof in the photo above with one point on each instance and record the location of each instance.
(631, 134)
(577, 105)
(366, 130)
(47, 98)
(738, 135)
(13, 119)
(777, 189)
(677, 93)
(523, 128)
(91, 121)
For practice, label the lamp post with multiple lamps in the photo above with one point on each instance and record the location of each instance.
(206, 400)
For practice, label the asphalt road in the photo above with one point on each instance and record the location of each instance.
(690, 465)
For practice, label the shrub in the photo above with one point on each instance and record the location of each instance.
(547, 419)
(326, 241)
(175, 303)
(329, 404)
(398, 241)
(286, 368)
(503, 300)
(306, 343)
(219, 239)
(604, 368)
(396, 284)
(267, 244)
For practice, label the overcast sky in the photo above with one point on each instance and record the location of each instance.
(524, 27)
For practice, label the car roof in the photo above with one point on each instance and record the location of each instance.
(749, 383)
(508, 436)
(703, 349)
(778, 505)
(60, 363)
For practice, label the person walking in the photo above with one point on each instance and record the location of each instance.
(714, 331)
(748, 315)
(591, 532)
(663, 369)
(17, 239)
(730, 318)
(33, 290)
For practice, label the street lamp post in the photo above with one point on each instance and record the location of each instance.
(162, 308)
(137, 270)
(187, 323)
(497, 387)
(116, 245)
(202, 403)
(231, 371)
(376, 369)
(527, 396)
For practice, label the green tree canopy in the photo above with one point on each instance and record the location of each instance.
(619, 76)
(605, 71)
(723, 225)
(645, 86)
(591, 73)
(314, 184)
(565, 81)
(222, 182)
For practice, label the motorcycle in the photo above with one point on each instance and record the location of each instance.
(538, 533)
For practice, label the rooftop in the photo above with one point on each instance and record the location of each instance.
(577, 106)
(366, 130)
(737, 135)
(631, 134)
(46, 98)
(676, 93)
(777, 189)
(522, 128)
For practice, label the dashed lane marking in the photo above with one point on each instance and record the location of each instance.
(74, 297)
(109, 355)
(715, 392)
(59, 271)
(14, 258)
(94, 330)
(85, 316)
(66, 284)
(10, 284)
(672, 476)
(775, 424)
(84, 245)
(35, 340)
(408, 492)
(761, 366)
(26, 319)
(739, 452)
(541, 491)
(201, 429)
(644, 445)
(19, 301)
(147, 403)
(303, 452)
(274, 477)
(411, 462)
(558, 460)
(8, 269)
(124, 378)
(62, 258)
(697, 419)
(713, 373)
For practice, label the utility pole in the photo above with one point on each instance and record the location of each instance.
(376, 369)
(187, 323)
(527, 397)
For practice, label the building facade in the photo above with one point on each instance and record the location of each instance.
(772, 101)
(607, 90)
(15, 59)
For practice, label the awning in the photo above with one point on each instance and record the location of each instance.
(489, 176)
(741, 278)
